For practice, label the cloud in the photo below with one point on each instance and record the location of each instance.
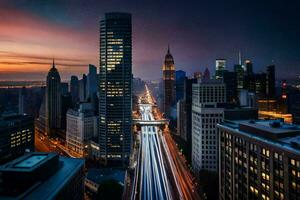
(29, 40)
(9, 54)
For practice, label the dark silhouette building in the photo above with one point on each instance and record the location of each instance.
(229, 79)
(64, 88)
(206, 74)
(21, 100)
(184, 116)
(53, 101)
(91, 81)
(74, 89)
(270, 81)
(83, 88)
(169, 83)
(17, 136)
(248, 67)
(261, 85)
(44, 176)
(180, 78)
(115, 95)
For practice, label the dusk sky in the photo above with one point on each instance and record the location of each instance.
(34, 31)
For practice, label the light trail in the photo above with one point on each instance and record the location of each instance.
(154, 180)
(160, 173)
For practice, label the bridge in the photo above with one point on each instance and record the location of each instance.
(150, 123)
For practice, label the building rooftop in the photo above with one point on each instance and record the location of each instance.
(274, 132)
(31, 161)
(100, 175)
(39, 175)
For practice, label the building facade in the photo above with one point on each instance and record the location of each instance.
(83, 88)
(91, 81)
(115, 96)
(207, 111)
(81, 128)
(17, 136)
(259, 160)
(180, 78)
(169, 84)
(53, 101)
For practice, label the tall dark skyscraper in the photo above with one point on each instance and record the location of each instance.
(74, 89)
(184, 115)
(229, 79)
(169, 83)
(53, 101)
(91, 81)
(115, 88)
(180, 78)
(83, 88)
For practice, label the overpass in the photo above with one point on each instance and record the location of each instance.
(150, 123)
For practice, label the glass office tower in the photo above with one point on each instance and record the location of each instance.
(115, 88)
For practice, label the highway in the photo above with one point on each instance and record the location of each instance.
(161, 172)
(154, 181)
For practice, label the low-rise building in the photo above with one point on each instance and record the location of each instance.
(17, 136)
(81, 128)
(44, 176)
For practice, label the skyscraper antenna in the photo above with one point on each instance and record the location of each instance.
(53, 65)
(168, 48)
(240, 58)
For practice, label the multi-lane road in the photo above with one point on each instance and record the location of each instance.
(162, 173)
(154, 183)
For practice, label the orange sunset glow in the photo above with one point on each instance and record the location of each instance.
(29, 43)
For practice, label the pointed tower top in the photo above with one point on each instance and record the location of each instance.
(53, 64)
(168, 48)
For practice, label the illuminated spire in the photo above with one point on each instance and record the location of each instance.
(240, 58)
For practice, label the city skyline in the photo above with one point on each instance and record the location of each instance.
(69, 33)
(149, 100)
